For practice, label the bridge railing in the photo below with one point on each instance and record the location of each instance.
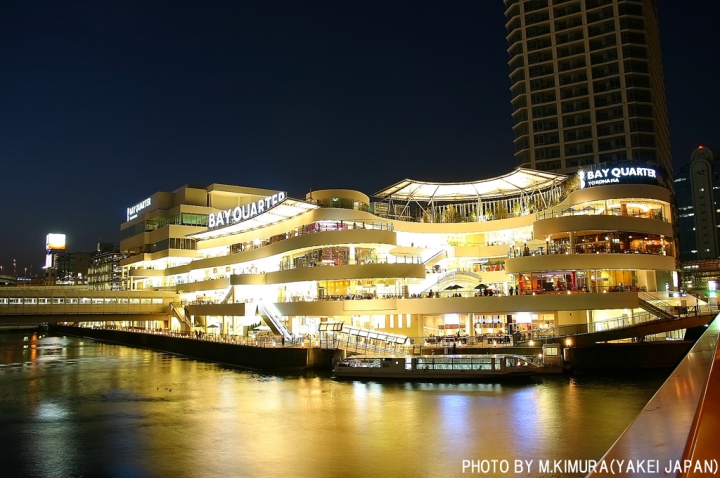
(679, 425)
(578, 329)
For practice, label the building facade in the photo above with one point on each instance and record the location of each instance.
(587, 84)
(105, 272)
(526, 249)
(697, 196)
(68, 268)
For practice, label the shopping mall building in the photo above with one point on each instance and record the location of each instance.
(529, 248)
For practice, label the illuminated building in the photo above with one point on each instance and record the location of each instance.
(105, 272)
(62, 267)
(587, 84)
(422, 259)
(697, 195)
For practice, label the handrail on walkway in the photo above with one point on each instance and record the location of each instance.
(679, 427)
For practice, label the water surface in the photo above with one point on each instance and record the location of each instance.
(74, 407)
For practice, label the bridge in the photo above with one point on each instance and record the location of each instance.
(58, 304)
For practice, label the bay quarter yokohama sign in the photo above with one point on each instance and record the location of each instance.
(625, 175)
(245, 212)
(132, 212)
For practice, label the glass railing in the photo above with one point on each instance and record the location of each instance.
(587, 249)
(346, 261)
(655, 214)
(322, 226)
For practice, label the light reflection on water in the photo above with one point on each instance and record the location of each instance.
(73, 407)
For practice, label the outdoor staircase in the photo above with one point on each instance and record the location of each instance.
(179, 312)
(658, 308)
(440, 281)
(435, 258)
(229, 297)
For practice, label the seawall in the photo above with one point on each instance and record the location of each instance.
(627, 356)
(270, 358)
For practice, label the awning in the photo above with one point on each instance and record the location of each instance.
(519, 181)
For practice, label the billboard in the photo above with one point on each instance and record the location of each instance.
(55, 242)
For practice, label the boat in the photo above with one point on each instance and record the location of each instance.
(436, 367)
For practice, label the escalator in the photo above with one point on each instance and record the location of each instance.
(274, 320)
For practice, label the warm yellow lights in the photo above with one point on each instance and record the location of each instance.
(531, 343)
(568, 342)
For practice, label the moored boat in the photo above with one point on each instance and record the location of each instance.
(436, 367)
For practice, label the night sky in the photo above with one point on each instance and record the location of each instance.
(104, 103)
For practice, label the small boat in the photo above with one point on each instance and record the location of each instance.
(436, 367)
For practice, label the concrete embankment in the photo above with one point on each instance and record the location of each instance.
(628, 356)
(17, 329)
(270, 358)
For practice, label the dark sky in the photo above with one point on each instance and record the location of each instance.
(104, 103)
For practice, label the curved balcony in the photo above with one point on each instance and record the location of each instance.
(617, 191)
(555, 225)
(462, 305)
(319, 239)
(141, 272)
(574, 262)
(365, 271)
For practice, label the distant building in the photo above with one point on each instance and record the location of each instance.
(6, 281)
(68, 268)
(587, 84)
(105, 272)
(697, 196)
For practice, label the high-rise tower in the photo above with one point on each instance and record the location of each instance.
(587, 84)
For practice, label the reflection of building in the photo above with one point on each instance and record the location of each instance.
(105, 272)
(427, 258)
(697, 195)
(586, 83)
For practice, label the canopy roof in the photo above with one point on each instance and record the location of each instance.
(519, 181)
(286, 210)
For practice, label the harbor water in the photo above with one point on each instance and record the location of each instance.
(73, 407)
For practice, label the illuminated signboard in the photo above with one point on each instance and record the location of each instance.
(603, 176)
(55, 242)
(243, 213)
(132, 212)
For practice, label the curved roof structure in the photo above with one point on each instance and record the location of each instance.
(519, 181)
